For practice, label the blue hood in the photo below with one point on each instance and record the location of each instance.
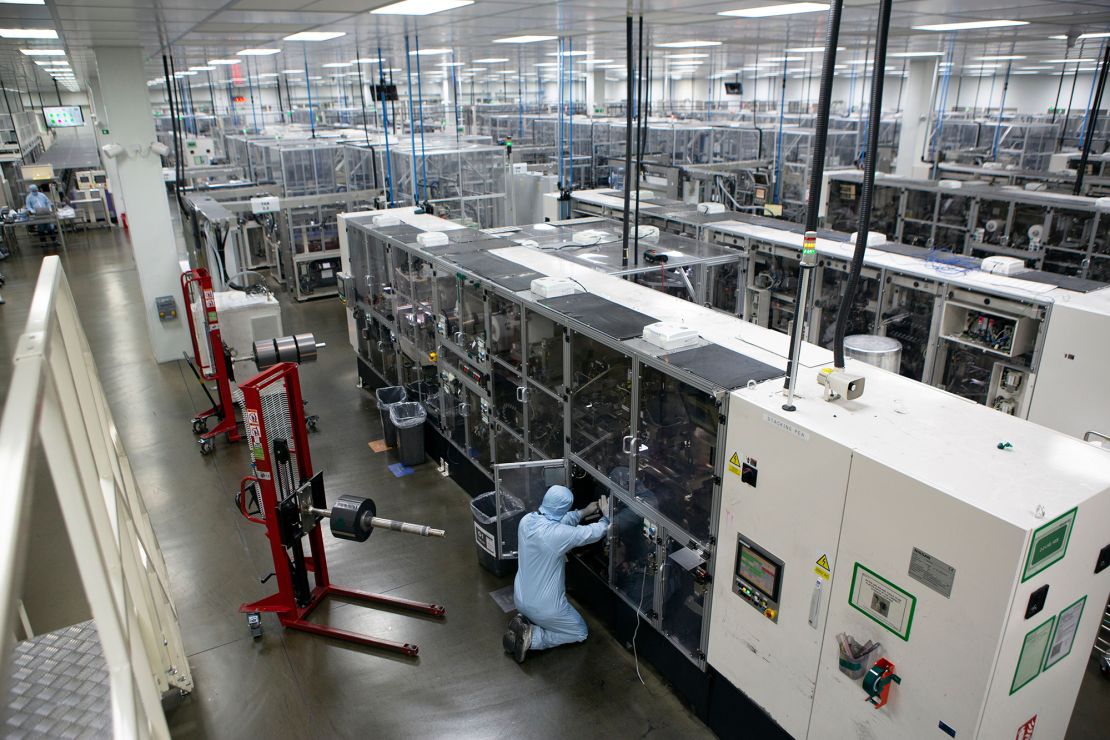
(556, 502)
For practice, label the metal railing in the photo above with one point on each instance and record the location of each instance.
(56, 404)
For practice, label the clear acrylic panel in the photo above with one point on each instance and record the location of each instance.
(683, 609)
(601, 404)
(504, 331)
(545, 423)
(545, 351)
(634, 556)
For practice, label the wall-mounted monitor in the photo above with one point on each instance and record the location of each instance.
(384, 92)
(734, 88)
(63, 116)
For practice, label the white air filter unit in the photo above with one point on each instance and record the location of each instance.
(670, 336)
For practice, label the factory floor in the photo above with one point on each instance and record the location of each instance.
(292, 685)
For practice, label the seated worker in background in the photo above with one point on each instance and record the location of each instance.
(545, 617)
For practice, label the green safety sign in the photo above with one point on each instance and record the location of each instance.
(1049, 544)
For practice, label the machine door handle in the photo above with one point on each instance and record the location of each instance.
(464, 409)
(628, 445)
(522, 394)
(459, 338)
(815, 605)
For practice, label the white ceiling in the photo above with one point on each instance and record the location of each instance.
(194, 31)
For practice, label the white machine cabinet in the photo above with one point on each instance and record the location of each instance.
(899, 519)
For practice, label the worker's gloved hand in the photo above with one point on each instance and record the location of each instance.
(603, 505)
(589, 511)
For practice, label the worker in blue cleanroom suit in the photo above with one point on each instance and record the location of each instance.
(545, 617)
(37, 202)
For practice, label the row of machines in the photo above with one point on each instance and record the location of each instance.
(847, 568)
(1021, 343)
(1055, 232)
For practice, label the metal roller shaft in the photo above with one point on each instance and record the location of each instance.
(420, 529)
(298, 348)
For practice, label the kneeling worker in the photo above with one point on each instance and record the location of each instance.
(545, 617)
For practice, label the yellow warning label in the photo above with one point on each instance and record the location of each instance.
(734, 464)
(821, 573)
(823, 561)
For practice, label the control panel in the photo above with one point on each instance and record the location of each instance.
(758, 578)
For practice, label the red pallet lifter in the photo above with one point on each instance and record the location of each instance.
(290, 502)
(196, 286)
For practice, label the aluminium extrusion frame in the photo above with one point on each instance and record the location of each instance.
(265, 475)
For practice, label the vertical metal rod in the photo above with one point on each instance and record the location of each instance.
(1001, 108)
(1071, 96)
(412, 122)
(627, 139)
(1089, 135)
(385, 130)
(639, 142)
(1060, 83)
(817, 174)
(308, 90)
(361, 98)
(420, 108)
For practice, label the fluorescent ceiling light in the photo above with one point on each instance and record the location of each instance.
(267, 74)
(450, 64)
(225, 62)
(785, 59)
(1003, 58)
(1059, 37)
(52, 63)
(315, 36)
(914, 54)
(1033, 69)
(980, 66)
(694, 55)
(43, 52)
(595, 61)
(292, 71)
(184, 74)
(428, 52)
(23, 2)
(523, 39)
(693, 44)
(1094, 36)
(1066, 61)
(420, 7)
(1025, 72)
(860, 62)
(490, 60)
(811, 50)
(201, 69)
(28, 33)
(331, 65)
(767, 11)
(580, 53)
(970, 25)
(675, 65)
(547, 64)
(364, 60)
(257, 52)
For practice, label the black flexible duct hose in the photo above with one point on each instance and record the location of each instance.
(1092, 121)
(820, 139)
(868, 181)
(178, 174)
(627, 141)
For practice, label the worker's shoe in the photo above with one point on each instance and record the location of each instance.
(522, 638)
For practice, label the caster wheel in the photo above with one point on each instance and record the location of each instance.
(254, 623)
(312, 423)
(207, 446)
(200, 426)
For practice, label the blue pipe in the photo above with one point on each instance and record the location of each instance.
(570, 111)
(385, 128)
(412, 118)
(420, 108)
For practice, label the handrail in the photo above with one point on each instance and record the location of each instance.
(1088, 436)
(56, 404)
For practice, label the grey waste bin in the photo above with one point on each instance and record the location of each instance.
(408, 417)
(491, 553)
(386, 398)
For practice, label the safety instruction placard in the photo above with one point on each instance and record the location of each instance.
(1063, 636)
(1049, 544)
(1032, 654)
(882, 601)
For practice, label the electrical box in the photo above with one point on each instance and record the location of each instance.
(166, 306)
(936, 529)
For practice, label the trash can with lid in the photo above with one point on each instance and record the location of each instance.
(498, 557)
(408, 418)
(386, 398)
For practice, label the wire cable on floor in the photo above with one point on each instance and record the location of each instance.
(635, 632)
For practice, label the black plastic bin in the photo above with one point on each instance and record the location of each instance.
(386, 398)
(408, 418)
(491, 553)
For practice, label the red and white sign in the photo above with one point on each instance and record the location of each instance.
(1025, 732)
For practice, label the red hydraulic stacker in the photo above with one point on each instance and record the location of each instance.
(284, 494)
(215, 365)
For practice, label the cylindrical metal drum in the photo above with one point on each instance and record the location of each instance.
(884, 352)
(299, 348)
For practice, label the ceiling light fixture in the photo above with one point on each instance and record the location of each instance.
(1002, 58)
(769, 11)
(331, 65)
(52, 63)
(1101, 35)
(292, 71)
(225, 62)
(450, 64)
(22, 2)
(524, 39)
(490, 60)
(692, 44)
(595, 61)
(43, 52)
(428, 52)
(580, 53)
(970, 25)
(201, 69)
(315, 36)
(420, 7)
(915, 54)
(28, 33)
(695, 55)
(811, 50)
(257, 52)
(1066, 61)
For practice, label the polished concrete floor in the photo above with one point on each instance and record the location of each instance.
(292, 685)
